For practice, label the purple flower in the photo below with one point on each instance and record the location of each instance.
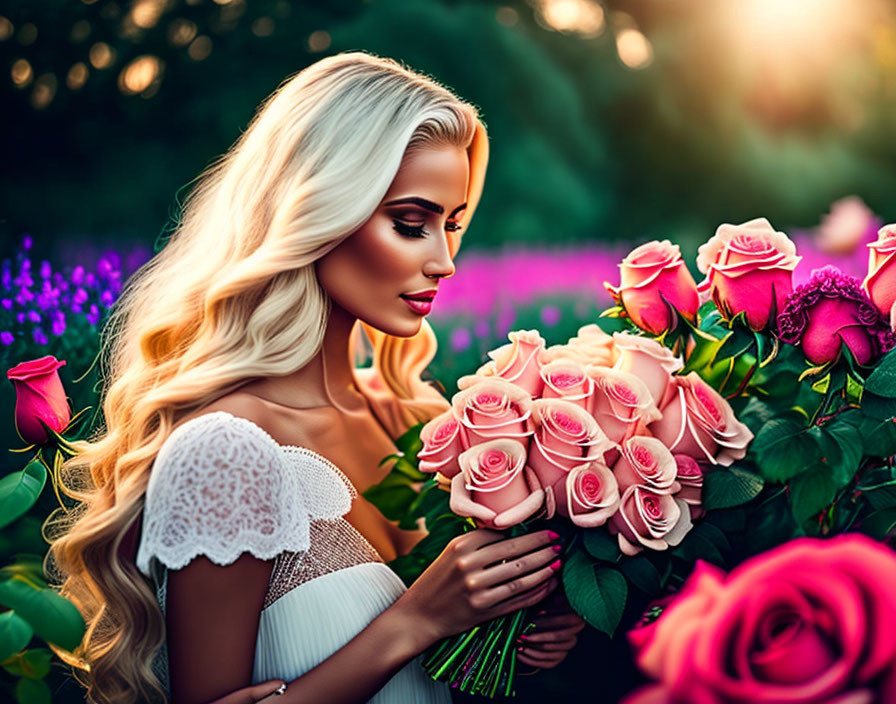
(33, 316)
(107, 299)
(6, 303)
(27, 242)
(7, 338)
(550, 315)
(20, 317)
(78, 275)
(45, 270)
(39, 336)
(80, 296)
(58, 327)
(460, 339)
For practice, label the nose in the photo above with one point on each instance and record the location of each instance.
(439, 265)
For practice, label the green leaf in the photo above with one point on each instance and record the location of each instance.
(878, 437)
(880, 524)
(642, 573)
(601, 545)
(706, 542)
(53, 618)
(19, 491)
(598, 594)
(408, 469)
(724, 487)
(784, 448)
(33, 692)
(881, 407)
(882, 497)
(409, 443)
(15, 634)
(33, 664)
(882, 381)
(841, 447)
(811, 492)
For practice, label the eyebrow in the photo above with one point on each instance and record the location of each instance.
(423, 203)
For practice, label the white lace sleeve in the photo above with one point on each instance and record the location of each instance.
(221, 486)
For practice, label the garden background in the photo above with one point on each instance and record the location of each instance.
(611, 123)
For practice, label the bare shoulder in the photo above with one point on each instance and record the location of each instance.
(240, 404)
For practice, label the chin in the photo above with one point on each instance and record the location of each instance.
(397, 328)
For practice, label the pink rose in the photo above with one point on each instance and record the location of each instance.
(849, 223)
(647, 359)
(518, 361)
(443, 441)
(594, 346)
(830, 311)
(621, 403)
(690, 477)
(654, 284)
(809, 621)
(649, 519)
(39, 397)
(565, 436)
(880, 283)
(566, 379)
(495, 487)
(749, 269)
(493, 408)
(699, 423)
(589, 496)
(648, 462)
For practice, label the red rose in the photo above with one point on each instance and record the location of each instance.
(39, 397)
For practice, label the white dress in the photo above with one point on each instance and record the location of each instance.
(220, 486)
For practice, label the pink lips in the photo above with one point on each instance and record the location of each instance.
(420, 303)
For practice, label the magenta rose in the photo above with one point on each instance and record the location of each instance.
(749, 269)
(40, 396)
(648, 518)
(566, 379)
(495, 487)
(493, 408)
(621, 403)
(647, 359)
(654, 284)
(648, 462)
(830, 311)
(699, 423)
(880, 283)
(807, 622)
(518, 361)
(443, 441)
(565, 436)
(589, 496)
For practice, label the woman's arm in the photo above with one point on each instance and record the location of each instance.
(213, 614)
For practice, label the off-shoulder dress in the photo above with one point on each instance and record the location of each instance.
(221, 486)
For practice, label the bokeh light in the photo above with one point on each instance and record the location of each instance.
(6, 28)
(583, 17)
(634, 49)
(141, 75)
(77, 76)
(146, 13)
(319, 41)
(44, 90)
(181, 32)
(21, 73)
(101, 55)
(200, 48)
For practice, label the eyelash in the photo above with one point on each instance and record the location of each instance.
(417, 231)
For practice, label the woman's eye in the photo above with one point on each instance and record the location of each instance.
(453, 227)
(409, 230)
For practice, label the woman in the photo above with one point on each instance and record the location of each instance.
(238, 435)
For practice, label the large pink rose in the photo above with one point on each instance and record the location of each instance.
(39, 397)
(495, 487)
(518, 361)
(690, 477)
(807, 622)
(647, 359)
(830, 311)
(565, 436)
(443, 440)
(654, 283)
(698, 422)
(880, 283)
(566, 379)
(621, 403)
(646, 461)
(749, 269)
(590, 495)
(649, 519)
(594, 346)
(493, 408)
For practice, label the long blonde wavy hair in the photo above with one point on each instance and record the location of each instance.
(234, 296)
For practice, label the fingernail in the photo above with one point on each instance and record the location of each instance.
(556, 548)
(552, 535)
(556, 565)
(523, 638)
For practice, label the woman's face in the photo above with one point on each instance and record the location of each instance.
(402, 251)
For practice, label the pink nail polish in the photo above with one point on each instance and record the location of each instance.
(556, 548)
(552, 535)
(556, 565)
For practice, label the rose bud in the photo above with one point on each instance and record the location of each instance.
(594, 346)
(566, 379)
(699, 423)
(690, 478)
(880, 283)
(486, 371)
(621, 403)
(518, 361)
(443, 441)
(495, 487)
(648, 360)
(39, 397)
(648, 462)
(832, 310)
(589, 496)
(493, 408)
(647, 518)
(654, 284)
(566, 435)
(749, 269)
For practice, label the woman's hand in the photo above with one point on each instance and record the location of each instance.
(266, 691)
(554, 635)
(479, 576)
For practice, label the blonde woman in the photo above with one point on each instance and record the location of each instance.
(221, 540)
